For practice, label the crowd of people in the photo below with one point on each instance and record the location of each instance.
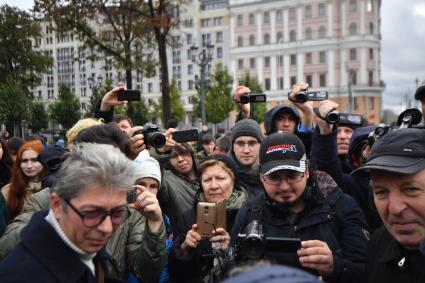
(297, 199)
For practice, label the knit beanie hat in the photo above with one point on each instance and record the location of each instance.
(247, 127)
(147, 167)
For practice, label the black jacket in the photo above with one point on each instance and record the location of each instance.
(388, 261)
(333, 217)
(42, 256)
(324, 153)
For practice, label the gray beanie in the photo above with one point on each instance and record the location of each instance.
(147, 167)
(247, 127)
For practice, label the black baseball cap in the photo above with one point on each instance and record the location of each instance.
(282, 151)
(400, 151)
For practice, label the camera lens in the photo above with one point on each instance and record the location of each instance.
(332, 117)
(156, 139)
(301, 97)
(244, 98)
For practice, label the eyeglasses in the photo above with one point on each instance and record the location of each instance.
(275, 179)
(249, 143)
(94, 218)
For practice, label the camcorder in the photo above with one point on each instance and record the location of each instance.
(252, 98)
(409, 118)
(304, 96)
(152, 135)
(252, 245)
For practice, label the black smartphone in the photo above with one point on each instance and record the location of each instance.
(287, 245)
(186, 135)
(132, 195)
(129, 95)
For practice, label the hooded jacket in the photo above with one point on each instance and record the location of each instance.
(301, 131)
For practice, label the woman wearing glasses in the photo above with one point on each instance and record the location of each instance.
(26, 177)
(304, 204)
(194, 258)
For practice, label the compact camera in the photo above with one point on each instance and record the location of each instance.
(252, 98)
(305, 96)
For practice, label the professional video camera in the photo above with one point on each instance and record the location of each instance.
(407, 119)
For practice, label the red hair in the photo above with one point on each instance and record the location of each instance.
(19, 181)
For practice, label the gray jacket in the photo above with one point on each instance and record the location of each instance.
(143, 251)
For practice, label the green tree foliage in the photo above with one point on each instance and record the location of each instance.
(66, 110)
(38, 119)
(18, 60)
(141, 113)
(116, 29)
(177, 110)
(258, 110)
(14, 103)
(218, 101)
(96, 98)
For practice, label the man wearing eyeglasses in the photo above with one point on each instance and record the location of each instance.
(88, 204)
(329, 224)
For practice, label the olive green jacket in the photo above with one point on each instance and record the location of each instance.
(143, 251)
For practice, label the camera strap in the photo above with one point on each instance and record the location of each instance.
(317, 112)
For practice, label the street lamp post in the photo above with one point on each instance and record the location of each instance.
(202, 59)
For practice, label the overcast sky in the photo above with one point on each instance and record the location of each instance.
(403, 47)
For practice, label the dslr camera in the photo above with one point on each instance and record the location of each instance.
(152, 135)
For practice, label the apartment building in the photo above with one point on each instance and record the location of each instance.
(322, 42)
(331, 44)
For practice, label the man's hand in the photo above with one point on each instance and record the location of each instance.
(192, 239)
(316, 255)
(147, 204)
(221, 237)
(111, 99)
(136, 143)
(325, 107)
(306, 108)
(245, 108)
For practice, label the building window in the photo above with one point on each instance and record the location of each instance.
(219, 37)
(267, 84)
(293, 59)
(371, 103)
(251, 19)
(309, 80)
(40, 95)
(293, 80)
(205, 23)
(279, 36)
(322, 57)
(292, 36)
(307, 34)
(307, 11)
(353, 54)
(370, 78)
(240, 20)
(219, 52)
(292, 14)
(267, 62)
(280, 83)
(369, 6)
(371, 28)
(189, 39)
(150, 87)
(240, 41)
(322, 32)
(251, 40)
(279, 16)
(322, 11)
(218, 21)
(266, 38)
(322, 80)
(190, 69)
(252, 63)
(308, 58)
(191, 84)
(353, 29)
(370, 53)
(353, 5)
(266, 16)
(240, 64)
(280, 60)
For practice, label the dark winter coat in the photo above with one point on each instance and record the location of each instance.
(388, 261)
(325, 155)
(42, 256)
(330, 216)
